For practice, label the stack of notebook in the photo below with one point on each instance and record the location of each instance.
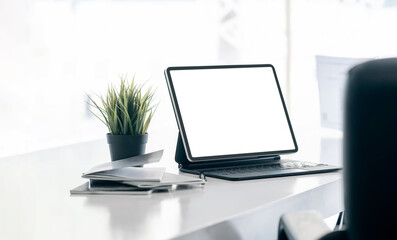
(127, 176)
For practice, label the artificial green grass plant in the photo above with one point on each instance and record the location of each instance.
(127, 111)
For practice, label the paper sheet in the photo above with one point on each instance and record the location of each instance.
(331, 76)
(168, 179)
(127, 162)
(129, 173)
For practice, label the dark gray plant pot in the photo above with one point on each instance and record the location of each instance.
(125, 146)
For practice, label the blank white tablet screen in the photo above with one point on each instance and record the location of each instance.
(229, 111)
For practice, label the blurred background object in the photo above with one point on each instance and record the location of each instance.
(53, 51)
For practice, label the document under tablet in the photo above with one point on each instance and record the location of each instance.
(229, 111)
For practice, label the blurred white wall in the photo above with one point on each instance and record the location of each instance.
(53, 51)
(337, 28)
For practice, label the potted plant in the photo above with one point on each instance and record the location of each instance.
(127, 113)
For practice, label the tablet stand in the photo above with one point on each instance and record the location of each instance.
(180, 155)
(186, 166)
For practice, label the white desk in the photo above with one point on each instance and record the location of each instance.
(35, 202)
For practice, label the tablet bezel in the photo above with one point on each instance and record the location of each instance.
(178, 116)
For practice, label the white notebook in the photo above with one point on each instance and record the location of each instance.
(126, 169)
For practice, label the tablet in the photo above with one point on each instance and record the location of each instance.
(230, 112)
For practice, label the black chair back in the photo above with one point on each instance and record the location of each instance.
(370, 150)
